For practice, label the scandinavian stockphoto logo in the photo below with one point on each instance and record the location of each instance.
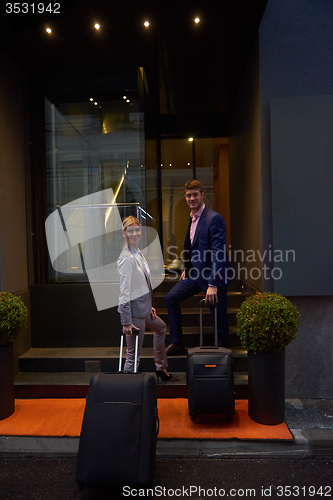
(85, 236)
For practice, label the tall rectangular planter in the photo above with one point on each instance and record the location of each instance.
(266, 387)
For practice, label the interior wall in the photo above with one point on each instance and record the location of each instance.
(13, 235)
(245, 179)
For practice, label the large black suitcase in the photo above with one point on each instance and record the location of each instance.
(210, 379)
(119, 431)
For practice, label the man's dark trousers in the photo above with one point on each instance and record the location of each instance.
(183, 290)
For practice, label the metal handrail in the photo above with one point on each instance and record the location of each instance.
(136, 204)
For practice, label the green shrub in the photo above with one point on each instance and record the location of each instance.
(267, 322)
(13, 317)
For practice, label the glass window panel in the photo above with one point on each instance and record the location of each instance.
(92, 148)
(177, 169)
(180, 159)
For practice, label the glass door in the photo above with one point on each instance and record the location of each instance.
(181, 161)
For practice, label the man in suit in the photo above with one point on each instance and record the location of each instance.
(206, 268)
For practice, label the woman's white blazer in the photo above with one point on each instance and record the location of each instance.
(135, 296)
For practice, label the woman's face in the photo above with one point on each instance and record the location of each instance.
(133, 235)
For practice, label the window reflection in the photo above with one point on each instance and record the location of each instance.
(180, 162)
(91, 148)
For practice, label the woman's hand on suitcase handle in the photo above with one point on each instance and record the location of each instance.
(127, 329)
(211, 295)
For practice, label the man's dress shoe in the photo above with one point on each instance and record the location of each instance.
(175, 349)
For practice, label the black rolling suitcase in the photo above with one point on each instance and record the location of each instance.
(119, 430)
(210, 379)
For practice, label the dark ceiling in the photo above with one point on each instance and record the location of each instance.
(192, 69)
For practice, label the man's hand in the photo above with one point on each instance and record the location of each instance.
(182, 277)
(211, 295)
(127, 329)
(153, 313)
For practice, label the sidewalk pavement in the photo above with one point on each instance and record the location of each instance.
(309, 420)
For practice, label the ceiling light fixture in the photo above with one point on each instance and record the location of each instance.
(197, 20)
(48, 30)
(95, 103)
(190, 139)
(146, 24)
(97, 26)
(91, 98)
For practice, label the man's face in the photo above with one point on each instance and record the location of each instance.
(194, 198)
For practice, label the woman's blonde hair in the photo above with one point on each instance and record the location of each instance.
(130, 220)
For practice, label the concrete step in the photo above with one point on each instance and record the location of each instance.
(192, 336)
(75, 385)
(66, 372)
(235, 286)
(190, 316)
(235, 298)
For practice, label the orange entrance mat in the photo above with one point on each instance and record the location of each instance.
(63, 417)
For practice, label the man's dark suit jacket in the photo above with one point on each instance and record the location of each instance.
(206, 260)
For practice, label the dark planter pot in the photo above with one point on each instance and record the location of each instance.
(7, 394)
(267, 387)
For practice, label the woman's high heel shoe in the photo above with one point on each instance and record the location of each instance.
(161, 374)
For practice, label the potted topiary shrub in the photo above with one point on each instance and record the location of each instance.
(13, 319)
(267, 323)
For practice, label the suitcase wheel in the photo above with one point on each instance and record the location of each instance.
(193, 416)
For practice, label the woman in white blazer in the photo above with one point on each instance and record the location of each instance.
(135, 301)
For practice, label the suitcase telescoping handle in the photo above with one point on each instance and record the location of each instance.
(135, 332)
(202, 302)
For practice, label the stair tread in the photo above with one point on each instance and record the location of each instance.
(202, 294)
(194, 310)
(82, 378)
(94, 352)
(73, 367)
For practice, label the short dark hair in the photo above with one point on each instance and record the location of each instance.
(193, 184)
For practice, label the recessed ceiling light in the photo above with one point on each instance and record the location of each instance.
(48, 30)
(95, 103)
(197, 20)
(97, 26)
(91, 98)
(146, 24)
(190, 139)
